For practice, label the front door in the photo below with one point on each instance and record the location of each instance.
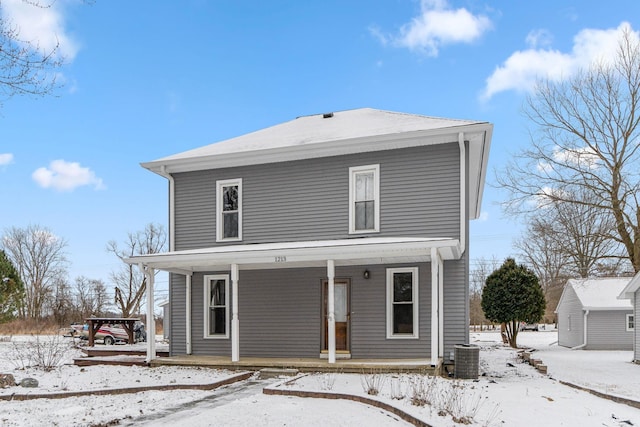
(342, 315)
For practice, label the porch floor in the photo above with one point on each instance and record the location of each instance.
(303, 364)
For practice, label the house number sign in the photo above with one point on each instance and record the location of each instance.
(281, 259)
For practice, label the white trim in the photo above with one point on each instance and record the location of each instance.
(353, 171)
(188, 278)
(414, 297)
(235, 321)
(331, 317)
(151, 325)
(626, 325)
(207, 299)
(219, 223)
(364, 251)
(463, 192)
(435, 306)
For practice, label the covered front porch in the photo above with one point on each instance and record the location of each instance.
(424, 366)
(325, 258)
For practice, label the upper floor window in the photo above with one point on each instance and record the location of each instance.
(402, 302)
(631, 324)
(229, 210)
(364, 199)
(216, 306)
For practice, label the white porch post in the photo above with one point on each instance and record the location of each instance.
(151, 324)
(435, 306)
(188, 312)
(235, 322)
(441, 306)
(331, 272)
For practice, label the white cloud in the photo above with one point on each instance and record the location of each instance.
(523, 68)
(6, 159)
(584, 156)
(41, 26)
(437, 25)
(66, 176)
(540, 37)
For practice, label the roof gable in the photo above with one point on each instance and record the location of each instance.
(601, 293)
(632, 287)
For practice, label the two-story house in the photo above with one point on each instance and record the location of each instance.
(338, 235)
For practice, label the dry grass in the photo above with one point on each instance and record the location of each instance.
(30, 327)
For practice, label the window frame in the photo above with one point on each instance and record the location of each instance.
(353, 171)
(220, 214)
(207, 305)
(633, 320)
(414, 295)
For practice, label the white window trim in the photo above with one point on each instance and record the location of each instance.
(627, 323)
(219, 216)
(352, 197)
(414, 289)
(207, 299)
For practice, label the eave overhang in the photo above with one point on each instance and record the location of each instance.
(478, 136)
(362, 251)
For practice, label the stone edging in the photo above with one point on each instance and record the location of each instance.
(360, 399)
(62, 395)
(617, 399)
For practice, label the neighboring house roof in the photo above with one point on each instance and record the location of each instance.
(599, 293)
(340, 133)
(629, 291)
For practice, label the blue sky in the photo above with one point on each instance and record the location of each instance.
(145, 79)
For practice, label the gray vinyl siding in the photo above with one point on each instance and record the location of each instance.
(309, 199)
(280, 313)
(570, 319)
(177, 332)
(369, 314)
(636, 335)
(199, 344)
(606, 330)
(456, 305)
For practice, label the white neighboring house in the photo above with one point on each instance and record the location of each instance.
(592, 317)
(631, 293)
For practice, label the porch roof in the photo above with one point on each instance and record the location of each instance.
(369, 250)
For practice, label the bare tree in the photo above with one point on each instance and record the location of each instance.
(39, 257)
(587, 143)
(90, 297)
(130, 283)
(25, 67)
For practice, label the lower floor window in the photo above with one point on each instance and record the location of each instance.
(402, 302)
(631, 325)
(216, 306)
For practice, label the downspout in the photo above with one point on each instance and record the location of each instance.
(463, 193)
(188, 312)
(171, 207)
(584, 338)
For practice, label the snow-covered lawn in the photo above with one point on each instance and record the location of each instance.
(508, 393)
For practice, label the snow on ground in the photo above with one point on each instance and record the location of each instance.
(508, 393)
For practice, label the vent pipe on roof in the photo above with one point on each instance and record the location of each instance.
(327, 115)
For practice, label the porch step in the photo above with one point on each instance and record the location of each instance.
(277, 372)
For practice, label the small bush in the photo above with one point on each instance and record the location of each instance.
(372, 383)
(44, 353)
(327, 381)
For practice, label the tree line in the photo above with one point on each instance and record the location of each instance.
(34, 282)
